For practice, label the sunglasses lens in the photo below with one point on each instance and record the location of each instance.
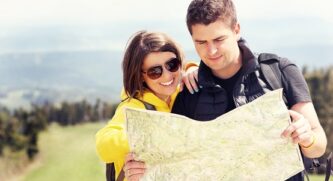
(155, 72)
(172, 65)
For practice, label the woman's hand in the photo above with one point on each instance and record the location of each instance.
(134, 170)
(190, 79)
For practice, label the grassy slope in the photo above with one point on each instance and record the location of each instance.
(316, 177)
(68, 153)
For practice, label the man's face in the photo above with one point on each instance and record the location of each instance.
(217, 45)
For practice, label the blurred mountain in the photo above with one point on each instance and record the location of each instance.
(66, 62)
(59, 76)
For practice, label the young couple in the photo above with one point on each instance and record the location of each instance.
(229, 76)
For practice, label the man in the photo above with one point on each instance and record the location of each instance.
(229, 76)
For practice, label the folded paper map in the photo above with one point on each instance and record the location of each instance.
(243, 144)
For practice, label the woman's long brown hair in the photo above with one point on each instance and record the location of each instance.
(140, 45)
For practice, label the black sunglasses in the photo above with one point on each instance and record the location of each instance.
(157, 71)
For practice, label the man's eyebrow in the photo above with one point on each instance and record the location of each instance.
(201, 41)
(220, 37)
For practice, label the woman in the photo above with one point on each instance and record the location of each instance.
(151, 74)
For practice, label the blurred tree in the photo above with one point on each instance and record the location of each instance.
(14, 138)
(4, 117)
(321, 87)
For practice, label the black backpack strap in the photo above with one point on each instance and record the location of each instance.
(269, 64)
(147, 105)
(110, 172)
(270, 68)
(121, 175)
(329, 169)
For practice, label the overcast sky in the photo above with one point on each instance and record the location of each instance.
(288, 26)
(18, 12)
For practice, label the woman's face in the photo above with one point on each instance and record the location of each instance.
(162, 72)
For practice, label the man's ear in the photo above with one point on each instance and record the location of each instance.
(237, 30)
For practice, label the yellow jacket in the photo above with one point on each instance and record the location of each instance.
(111, 141)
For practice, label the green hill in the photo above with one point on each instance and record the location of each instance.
(68, 153)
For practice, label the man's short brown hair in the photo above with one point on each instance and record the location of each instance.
(209, 11)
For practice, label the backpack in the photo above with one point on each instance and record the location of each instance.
(271, 70)
(329, 169)
(110, 169)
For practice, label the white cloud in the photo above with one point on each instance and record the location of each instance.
(54, 11)
(107, 24)
(16, 12)
(276, 9)
(151, 9)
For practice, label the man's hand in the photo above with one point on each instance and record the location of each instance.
(299, 130)
(134, 170)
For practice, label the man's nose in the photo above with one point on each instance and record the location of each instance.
(211, 49)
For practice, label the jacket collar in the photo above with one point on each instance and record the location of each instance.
(250, 64)
(151, 98)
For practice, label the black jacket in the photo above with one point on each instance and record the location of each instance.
(212, 100)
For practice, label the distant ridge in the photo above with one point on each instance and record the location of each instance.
(59, 76)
